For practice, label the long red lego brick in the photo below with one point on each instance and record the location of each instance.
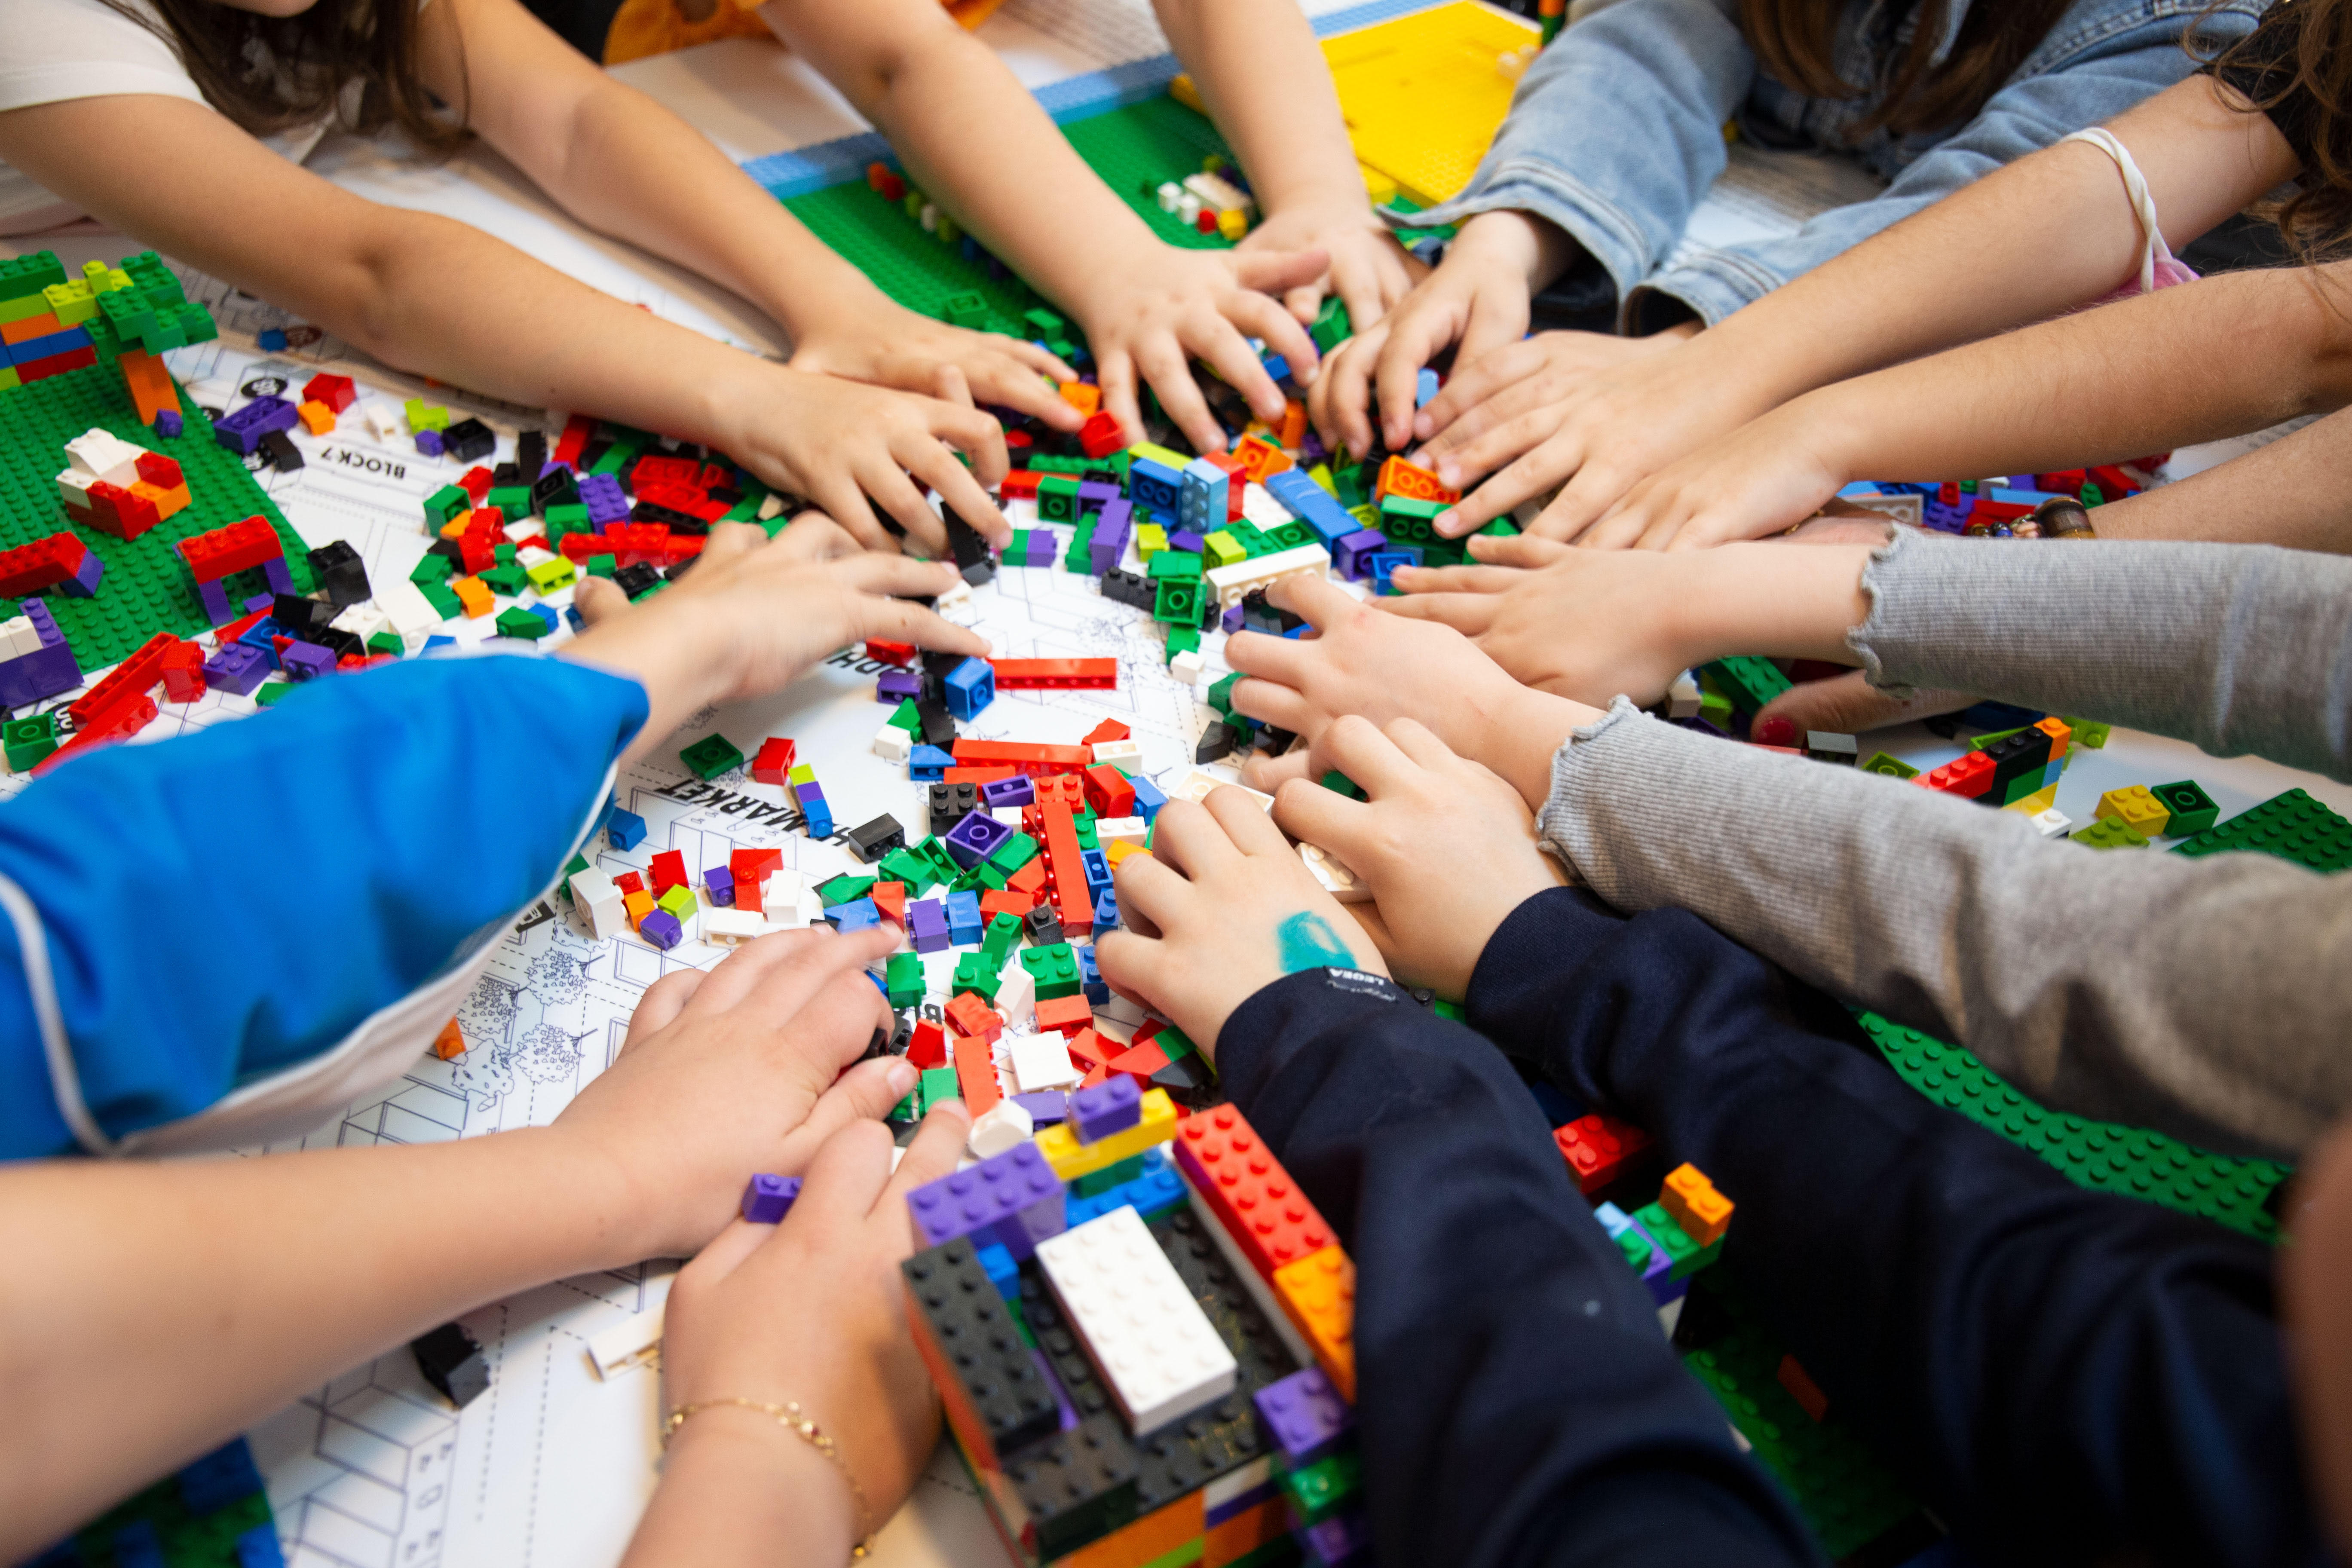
(1033, 760)
(236, 548)
(1024, 674)
(1063, 868)
(29, 568)
(1248, 1191)
(135, 674)
(119, 722)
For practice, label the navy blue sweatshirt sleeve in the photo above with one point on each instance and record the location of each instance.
(2066, 1375)
(1518, 1404)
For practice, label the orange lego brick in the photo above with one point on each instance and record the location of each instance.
(451, 1043)
(1399, 478)
(1235, 1536)
(2060, 733)
(1318, 1292)
(45, 325)
(1702, 1212)
(149, 383)
(1247, 1189)
(1802, 1388)
(1261, 459)
(1294, 425)
(1156, 1535)
(970, 1015)
(1108, 729)
(317, 417)
(474, 596)
(639, 904)
(1081, 396)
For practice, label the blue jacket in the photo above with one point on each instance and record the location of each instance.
(236, 932)
(1616, 132)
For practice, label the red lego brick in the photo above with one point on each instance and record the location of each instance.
(1019, 484)
(774, 760)
(1029, 879)
(890, 899)
(978, 775)
(898, 653)
(133, 676)
(1802, 1388)
(1248, 1191)
(1596, 1148)
(41, 370)
(1139, 1061)
(1070, 789)
(476, 482)
(1065, 872)
(335, 391)
(929, 1048)
(43, 563)
(119, 722)
(1092, 1053)
(161, 471)
(669, 871)
(748, 867)
(629, 882)
(1054, 674)
(1108, 729)
(1100, 436)
(1109, 790)
(975, 1075)
(1064, 1015)
(970, 1015)
(1033, 760)
(1008, 903)
(660, 471)
(236, 548)
(574, 439)
(1970, 775)
(183, 673)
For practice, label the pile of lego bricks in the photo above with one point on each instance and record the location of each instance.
(213, 1514)
(1993, 508)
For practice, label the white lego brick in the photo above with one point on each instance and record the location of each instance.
(102, 455)
(531, 555)
(1683, 696)
(1197, 782)
(1169, 193)
(1156, 1350)
(1260, 507)
(18, 638)
(1125, 755)
(893, 745)
(771, 506)
(1231, 582)
(1218, 194)
(959, 593)
(362, 621)
(730, 927)
(1016, 991)
(73, 489)
(382, 420)
(1008, 814)
(628, 1347)
(1000, 1129)
(1122, 830)
(1041, 1062)
(408, 611)
(1235, 1485)
(593, 894)
(2052, 822)
(1338, 878)
(1186, 666)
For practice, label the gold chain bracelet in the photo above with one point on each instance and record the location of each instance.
(789, 1416)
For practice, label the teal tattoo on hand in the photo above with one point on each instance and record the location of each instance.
(1309, 943)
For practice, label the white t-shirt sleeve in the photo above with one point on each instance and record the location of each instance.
(52, 50)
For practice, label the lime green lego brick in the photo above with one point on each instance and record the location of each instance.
(549, 576)
(2109, 833)
(520, 624)
(679, 902)
(147, 587)
(2089, 733)
(9, 380)
(2292, 827)
(713, 755)
(1893, 767)
(1182, 1557)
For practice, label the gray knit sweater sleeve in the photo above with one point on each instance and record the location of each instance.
(2207, 997)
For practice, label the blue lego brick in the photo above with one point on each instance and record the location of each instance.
(1154, 485)
(35, 349)
(1311, 504)
(971, 687)
(257, 1548)
(1201, 505)
(1106, 920)
(1378, 567)
(859, 915)
(1012, 1199)
(626, 828)
(1097, 872)
(1148, 798)
(223, 1477)
(964, 924)
(1157, 1191)
(1424, 386)
(1003, 1270)
(137, 1545)
(928, 765)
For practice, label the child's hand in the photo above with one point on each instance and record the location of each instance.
(840, 442)
(742, 1069)
(1229, 909)
(1370, 270)
(1476, 298)
(879, 340)
(1579, 624)
(1387, 667)
(811, 1311)
(753, 613)
(1147, 316)
(1447, 848)
(1763, 478)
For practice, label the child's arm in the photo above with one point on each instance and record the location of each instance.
(2194, 995)
(1264, 78)
(1988, 258)
(2198, 363)
(205, 1294)
(979, 144)
(811, 1312)
(1517, 1402)
(2284, 493)
(438, 297)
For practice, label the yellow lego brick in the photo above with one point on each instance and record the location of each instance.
(1702, 1212)
(1232, 222)
(1149, 540)
(2137, 807)
(1071, 1159)
(1378, 187)
(1222, 549)
(2037, 802)
(1318, 1292)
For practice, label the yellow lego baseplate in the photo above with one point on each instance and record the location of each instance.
(1422, 95)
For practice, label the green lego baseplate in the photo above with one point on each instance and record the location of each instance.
(147, 588)
(2293, 826)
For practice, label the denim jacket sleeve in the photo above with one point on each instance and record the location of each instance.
(1616, 134)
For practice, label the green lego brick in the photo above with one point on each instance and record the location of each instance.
(272, 692)
(2293, 826)
(965, 310)
(447, 505)
(603, 565)
(2021, 787)
(507, 581)
(2109, 833)
(974, 973)
(443, 598)
(513, 501)
(2191, 810)
(999, 937)
(1097, 1183)
(1183, 639)
(1320, 1490)
(1015, 852)
(1058, 499)
(521, 623)
(1685, 1252)
(1331, 326)
(2088, 732)
(903, 979)
(388, 642)
(429, 569)
(904, 717)
(27, 739)
(845, 888)
(1340, 784)
(710, 756)
(1174, 565)
(1055, 969)
(25, 277)
(1893, 767)
(1178, 601)
(1749, 682)
(147, 587)
(905, 866)
(1221, 695)
(938, 1086)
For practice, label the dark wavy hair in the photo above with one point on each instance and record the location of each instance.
(272, 73)
(2302, 50)
(1795, 40)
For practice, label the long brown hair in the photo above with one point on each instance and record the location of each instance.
(272, 73)
(2303, 50)
(1796, 40)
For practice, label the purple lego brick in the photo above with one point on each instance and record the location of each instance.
(428, 442)
(1109, 1107)
(235, 667)
(259, 602)
(897, 685)
(274, 572)
(603, 496)
(927, 925)
(975, 838)
(29, 678)
(1232, 619)
(1093, 493)
(1014, 1199)
(1311, 449)
(767, 1199)
(84, 582)
(1354, 550)
(1306, 1415)
(1014, 791)
(242, 431)
(168, 424)
(1045, 1109)
(721, 883)
(1184, 539)
(1103, 554)
(1342, 1538)
(661, 929)
(305, 661)
(1045, 1370)
(1044, 547)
